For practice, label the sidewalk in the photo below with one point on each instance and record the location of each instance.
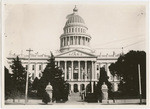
(80, 102)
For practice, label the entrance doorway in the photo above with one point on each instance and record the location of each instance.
(75, 88)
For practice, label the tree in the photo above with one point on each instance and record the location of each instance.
(103, 78)
(53, 74)
(18, 78)
(127, 68)
(35, 84)
(8, 83)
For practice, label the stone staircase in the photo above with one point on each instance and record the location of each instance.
(75, 97)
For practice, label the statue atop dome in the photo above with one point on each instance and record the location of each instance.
(75, 9)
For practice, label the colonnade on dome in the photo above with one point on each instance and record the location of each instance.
(75, 40)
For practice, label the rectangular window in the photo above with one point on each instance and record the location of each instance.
(39, 67)
(75, 29)
(32, 67)
(97, 67)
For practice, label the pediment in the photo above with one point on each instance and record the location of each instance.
(76, 53)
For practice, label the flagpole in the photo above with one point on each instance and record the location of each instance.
(26, 91)
(140, 91)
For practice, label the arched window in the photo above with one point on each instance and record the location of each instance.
(81, 30)
(69, 30)
(72, 29)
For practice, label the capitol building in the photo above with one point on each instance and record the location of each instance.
(76, 58)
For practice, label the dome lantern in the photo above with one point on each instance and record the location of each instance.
(75, 9)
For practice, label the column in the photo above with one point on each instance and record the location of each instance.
(65, 70)
(108, 72)
(79, 87)
(64, 41)
(79, 71)
(95, 71)
(92, 70)
(58, 63)
(73, 40)
(55, 63)
(72, 87)
(72, 70)
(86, 70)
(83, 40)
(88, 41)
(69, 40)
(92, 87)
(42, 67)
(99, 70)
(77, 40)
(106, 68)
(36, 71)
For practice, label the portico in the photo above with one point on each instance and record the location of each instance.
(78, 67)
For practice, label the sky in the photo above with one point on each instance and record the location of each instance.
(39, 26)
